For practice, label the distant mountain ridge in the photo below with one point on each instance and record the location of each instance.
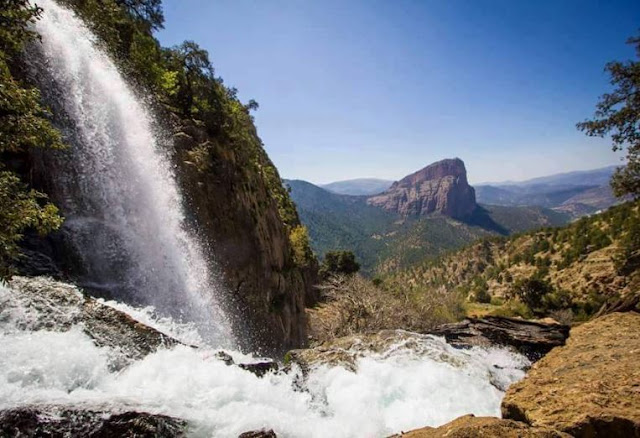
(576, 193)
(599, 176)
(358, 186)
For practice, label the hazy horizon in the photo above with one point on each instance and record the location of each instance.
(495, 182)
(381, 89)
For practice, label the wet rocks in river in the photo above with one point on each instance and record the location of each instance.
(259, 434)
(40, 303)
(60, 421)
(531, 338)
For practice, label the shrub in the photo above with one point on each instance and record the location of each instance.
(355, 305)
(339, 263)
(531, 291)
(481, 294)
(299, 238)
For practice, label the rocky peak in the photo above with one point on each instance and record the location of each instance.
(441, 187)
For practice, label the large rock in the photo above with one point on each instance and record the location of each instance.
(531, 338)
(41, 303)
(588, 388)
(441, 187)
(490, 427)
(61, 422)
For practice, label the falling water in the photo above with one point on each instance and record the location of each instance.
(124, 213)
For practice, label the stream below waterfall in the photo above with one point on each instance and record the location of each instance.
(405, 386)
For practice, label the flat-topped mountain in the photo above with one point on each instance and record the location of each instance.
(441, 187)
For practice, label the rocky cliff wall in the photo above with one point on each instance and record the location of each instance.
(441, 187)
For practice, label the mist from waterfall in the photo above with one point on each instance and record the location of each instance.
(124, 213)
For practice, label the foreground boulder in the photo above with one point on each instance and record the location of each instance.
(588, 388)
(472, 427)
(59, 422)
(531, 338)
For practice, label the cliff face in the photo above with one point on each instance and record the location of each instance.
(235, 214)
(441, 187)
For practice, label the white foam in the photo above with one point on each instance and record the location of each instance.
(397, 389)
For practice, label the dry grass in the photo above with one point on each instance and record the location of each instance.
(355, 305)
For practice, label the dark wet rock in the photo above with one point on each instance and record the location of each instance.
(63, 422)
(46, 304)
(532, 338)
(260, 368)
(226, 358)
(259, 434)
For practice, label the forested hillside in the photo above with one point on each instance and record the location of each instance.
(567, 272)
(384, 241)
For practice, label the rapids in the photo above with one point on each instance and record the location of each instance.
(397, 389)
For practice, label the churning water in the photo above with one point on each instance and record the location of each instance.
(397, 389)
(124, 213)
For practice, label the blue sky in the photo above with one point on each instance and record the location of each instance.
(351, 89)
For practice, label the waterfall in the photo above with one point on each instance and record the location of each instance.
(115, 185)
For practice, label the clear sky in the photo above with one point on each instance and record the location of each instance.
(351, 89)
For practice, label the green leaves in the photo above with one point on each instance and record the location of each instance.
(20, 209)
(24, 125)
(618, 115)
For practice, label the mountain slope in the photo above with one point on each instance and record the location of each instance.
(384, 240)
(575, 193)
(576, 267)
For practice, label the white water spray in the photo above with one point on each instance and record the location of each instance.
(424, 382)
(124, 213)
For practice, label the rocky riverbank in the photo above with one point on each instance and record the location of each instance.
(588, 388)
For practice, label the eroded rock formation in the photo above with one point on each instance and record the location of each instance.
(441, 187)
(531, 338)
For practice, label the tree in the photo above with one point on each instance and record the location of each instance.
(339, 262)
(531, 291)
(148, 11)
(618, 114)
(24, 124)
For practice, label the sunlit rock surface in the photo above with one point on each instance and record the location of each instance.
(473, 427)
(590, 387)
(441, 187)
